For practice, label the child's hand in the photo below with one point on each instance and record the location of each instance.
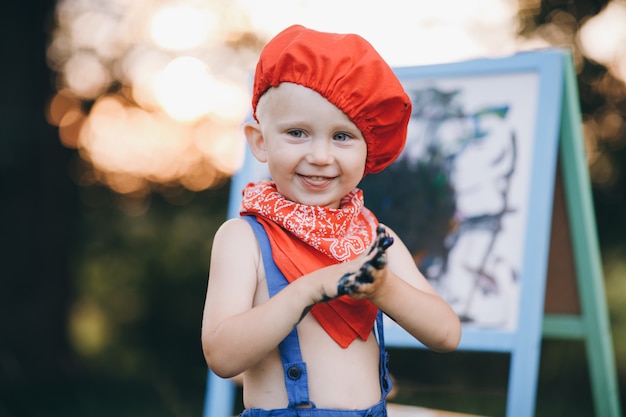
(369, 277)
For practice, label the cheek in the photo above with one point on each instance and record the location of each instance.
(354, 167)
(358, 164)
(281, 162)
(361, 160)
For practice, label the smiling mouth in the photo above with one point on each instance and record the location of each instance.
(315, 180)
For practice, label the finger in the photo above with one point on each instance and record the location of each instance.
(346, 284)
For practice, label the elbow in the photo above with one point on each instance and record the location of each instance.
(450, 338)
(217, 362)
(220, 367)
(222, 371)
(449, 344)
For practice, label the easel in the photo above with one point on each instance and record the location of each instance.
(575, 295)
(563, 293)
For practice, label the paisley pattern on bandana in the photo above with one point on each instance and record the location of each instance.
(342, 233)
(306, 238)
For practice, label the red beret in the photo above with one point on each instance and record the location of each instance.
(348, 72)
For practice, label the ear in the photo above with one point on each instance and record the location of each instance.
(256, 141)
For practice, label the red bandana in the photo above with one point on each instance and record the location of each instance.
(306, 238)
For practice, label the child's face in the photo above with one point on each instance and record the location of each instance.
(315, 154)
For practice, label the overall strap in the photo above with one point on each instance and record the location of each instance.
(385, 379)
(296, 377)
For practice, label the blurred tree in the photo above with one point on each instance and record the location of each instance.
(601, 94)
(139, 284)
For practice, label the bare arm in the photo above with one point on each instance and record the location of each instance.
(402, 292)
(241, 327)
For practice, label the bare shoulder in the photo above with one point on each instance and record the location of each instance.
(397, 241)
(403, 264)
(398, 251)
(233, 271)
(235, 235)
(235, 253)
(234, 229)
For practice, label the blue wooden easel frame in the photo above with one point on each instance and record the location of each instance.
(523, 342)
(557, 136)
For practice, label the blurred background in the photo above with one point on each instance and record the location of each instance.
(120, 128)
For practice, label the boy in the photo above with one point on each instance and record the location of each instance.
(328, 110)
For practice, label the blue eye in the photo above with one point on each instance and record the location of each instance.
(341, 137)
(296, 133)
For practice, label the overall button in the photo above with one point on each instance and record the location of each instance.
(294, 372)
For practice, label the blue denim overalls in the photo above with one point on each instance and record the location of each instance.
(296, 380)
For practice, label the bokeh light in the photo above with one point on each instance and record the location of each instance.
(603, 37)
(181, 27)
(140, 83)
(152, 94)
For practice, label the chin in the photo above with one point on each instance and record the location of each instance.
(320, 203)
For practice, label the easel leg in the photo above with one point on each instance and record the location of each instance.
(220, 397)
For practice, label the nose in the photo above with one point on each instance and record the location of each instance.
(320, 152)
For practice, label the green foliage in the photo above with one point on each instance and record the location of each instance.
(139, 285)
(615, 279)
